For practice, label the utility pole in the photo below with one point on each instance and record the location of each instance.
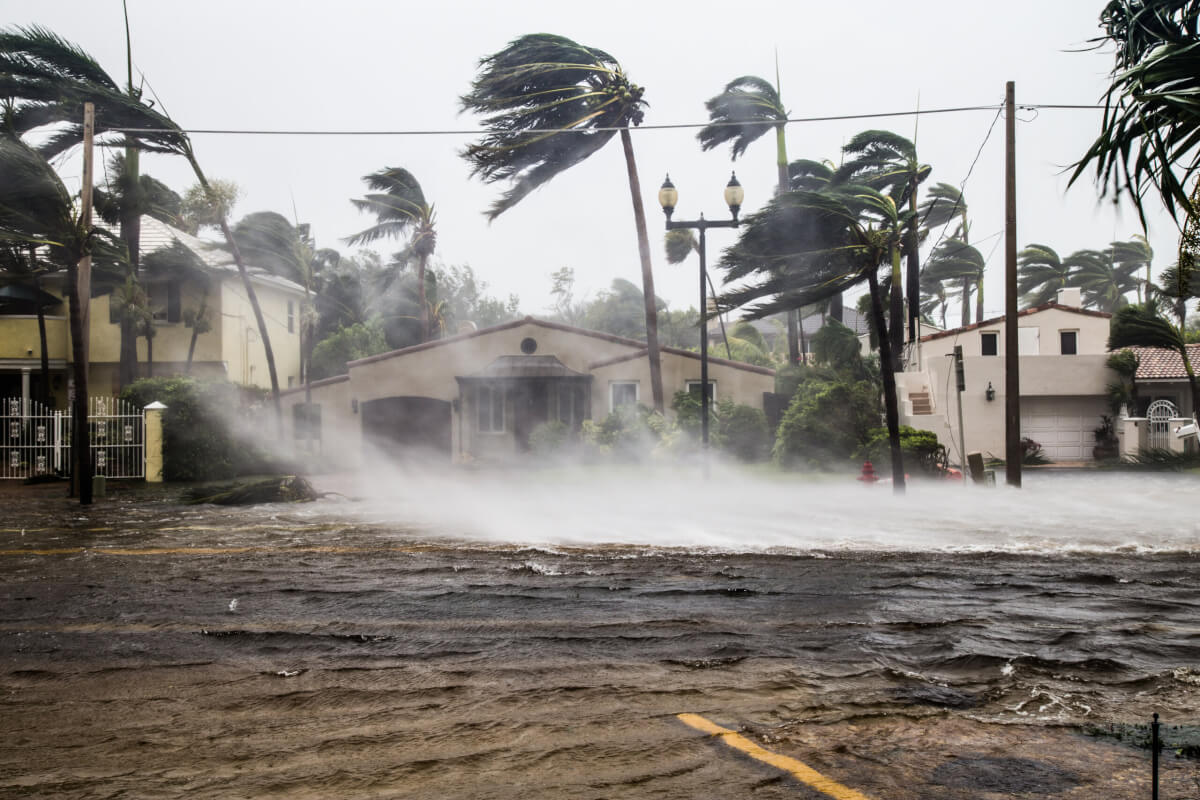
(81, 293)
(1012, 359)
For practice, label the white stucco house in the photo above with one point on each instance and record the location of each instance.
(1063, 378)
(478, 396)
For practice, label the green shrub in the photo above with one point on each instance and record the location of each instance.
(198, 427)
(330, 355)
(627, 434)
(826, 422)
(549, 438)
(920, 450)
(742, 431)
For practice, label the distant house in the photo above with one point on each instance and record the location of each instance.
(1162, 376)
(479, 395)
(1063, 377)
(773, 329)
(231, 349)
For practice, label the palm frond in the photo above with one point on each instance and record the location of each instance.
(746, 109)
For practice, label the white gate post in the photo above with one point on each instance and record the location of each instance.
(154, 442)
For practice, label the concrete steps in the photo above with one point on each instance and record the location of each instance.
(921, 403)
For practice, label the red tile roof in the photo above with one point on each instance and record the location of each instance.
(1156, 363)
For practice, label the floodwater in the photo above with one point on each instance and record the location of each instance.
(536, 635)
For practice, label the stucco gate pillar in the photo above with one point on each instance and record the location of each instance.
(154, 442)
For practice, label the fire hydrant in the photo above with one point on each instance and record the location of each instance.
(868, 473)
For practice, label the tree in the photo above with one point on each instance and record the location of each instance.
(956, 262)
(887, 162)
(49, 80)
(746, 109)
(21, 271)
(806, 246)
(400, 209)
(944, 203)
(679, 244)
(1149, 133)
(466, 298)
(1132, 256)
(1104, 280)
(37, 210)
(1041, 272)
(549, 103)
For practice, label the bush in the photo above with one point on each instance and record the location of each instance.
(627, 434)
(743, 431)
(330, 355)
(920, 450)
(549, 438)
(198, 427)
(826, 422)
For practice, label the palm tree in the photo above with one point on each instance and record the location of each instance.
(955, 261)
(1103, 280)
(400, 208)
(549, 103)
(1041, 273)
(37, 210)
(746, 109)
(1148, 136)
(888, 162)
(48, 81)
(21, 271)
(1134, 255)
(180, 261)
(944, 203)
(808, 246)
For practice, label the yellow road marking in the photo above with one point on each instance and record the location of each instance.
(796, 769)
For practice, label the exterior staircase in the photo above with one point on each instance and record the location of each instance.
(921, 404)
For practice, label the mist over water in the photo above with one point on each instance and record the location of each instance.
(736, 511)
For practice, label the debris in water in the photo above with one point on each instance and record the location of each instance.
(281, 489)
(233, 604)
(290, 673)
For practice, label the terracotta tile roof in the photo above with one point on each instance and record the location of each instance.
(1033, 310)
(1156, 363)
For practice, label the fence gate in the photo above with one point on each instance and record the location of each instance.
(35, 439)
(1159, 415)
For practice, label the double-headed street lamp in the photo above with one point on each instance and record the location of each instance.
(668, 196)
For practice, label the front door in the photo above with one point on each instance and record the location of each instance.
(530, 408)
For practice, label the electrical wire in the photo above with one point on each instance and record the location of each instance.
(605, 129)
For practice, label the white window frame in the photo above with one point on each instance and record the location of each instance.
(689, 385)
(1073, 331)
(996, 335)
(612, 398)
(494, 395)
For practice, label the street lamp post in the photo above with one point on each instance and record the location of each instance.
(668, 196)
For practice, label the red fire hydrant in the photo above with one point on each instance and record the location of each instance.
(868, 473)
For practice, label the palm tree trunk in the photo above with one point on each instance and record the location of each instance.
(912, 286)
(639, 218)
(966, 301)
(979, 298)
(1192, 381)
(421, 297)
(131, 234)
(187, 370)
(251, 295)
(896, 331)
(890, 403)
(795, 351)
(836, 308)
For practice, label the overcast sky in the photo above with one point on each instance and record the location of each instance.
(395, 65)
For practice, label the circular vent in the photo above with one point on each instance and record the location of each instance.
(528, 346)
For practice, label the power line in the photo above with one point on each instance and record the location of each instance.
(669, 126)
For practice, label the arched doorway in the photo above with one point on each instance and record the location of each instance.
(407, 428)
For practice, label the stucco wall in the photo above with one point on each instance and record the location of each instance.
(241, 346)
(19, 335)
(341, 425)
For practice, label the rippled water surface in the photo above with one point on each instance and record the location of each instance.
(536, 634)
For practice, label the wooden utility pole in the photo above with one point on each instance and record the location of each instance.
(1012, 360)
(81, 293)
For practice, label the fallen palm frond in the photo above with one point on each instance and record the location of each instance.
(282, 489)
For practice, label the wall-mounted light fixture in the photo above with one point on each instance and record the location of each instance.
(989, 392)
(354, 405)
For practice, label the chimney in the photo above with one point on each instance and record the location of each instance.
(1069, 297)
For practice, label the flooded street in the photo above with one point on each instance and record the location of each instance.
(487, 639)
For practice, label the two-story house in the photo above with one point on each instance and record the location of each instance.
(1062, 352)
(231, 348)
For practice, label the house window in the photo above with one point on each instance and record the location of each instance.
(1029, 341)
(693, 388)
(1068, 342)
(989, 343)
(624, 393)
(291, 317)
(489, 404)
(570, 405)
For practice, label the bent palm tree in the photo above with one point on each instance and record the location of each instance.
(400, 208)
(1104, 281)
(549, 103)
(955, 261)
(808, 246)
(746, 109)
(1150, 132)
(943, 204)
(48, 81)
(887, 162)
(1041, 273)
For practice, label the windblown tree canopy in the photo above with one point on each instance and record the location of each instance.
(1149, 138)
(548, 104)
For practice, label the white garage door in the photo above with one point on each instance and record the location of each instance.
(1063, 426)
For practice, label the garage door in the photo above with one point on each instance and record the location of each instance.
(1063, 426)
